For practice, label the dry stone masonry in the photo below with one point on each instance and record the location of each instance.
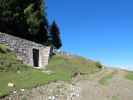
(29, 52)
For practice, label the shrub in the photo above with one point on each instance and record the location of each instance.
(99, 65)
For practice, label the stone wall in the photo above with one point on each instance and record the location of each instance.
(24, 49)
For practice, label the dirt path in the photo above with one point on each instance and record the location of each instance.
(96, 77)
(118, 88)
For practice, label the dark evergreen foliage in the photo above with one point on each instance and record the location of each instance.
(27, 19)
(55, 35)
(24, 18)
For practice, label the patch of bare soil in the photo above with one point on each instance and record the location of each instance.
(118, 88)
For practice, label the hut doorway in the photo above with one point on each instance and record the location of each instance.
(36, 57)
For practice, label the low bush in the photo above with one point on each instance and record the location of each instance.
(99, 65)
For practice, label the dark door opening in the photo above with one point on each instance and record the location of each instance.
(35, 57)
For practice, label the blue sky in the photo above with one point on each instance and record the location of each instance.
(97, 29)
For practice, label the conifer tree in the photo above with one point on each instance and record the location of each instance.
(24, 18)
(28, 19)
(55, 35)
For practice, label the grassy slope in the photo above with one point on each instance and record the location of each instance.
(69, 65)
(104, 80)
(12, 70)
(129, 75)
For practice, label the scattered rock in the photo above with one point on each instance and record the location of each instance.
(48, 72)
(54, 91)
(22, 90)
(10, 84)
(15, 92)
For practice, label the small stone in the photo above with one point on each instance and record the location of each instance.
(49, 98)
(78, 95)
(53, 97)
(56, 95)
(22, 90)
(10, 84)
(14, 92)
(48, 72)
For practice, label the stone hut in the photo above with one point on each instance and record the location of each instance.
(29, 52)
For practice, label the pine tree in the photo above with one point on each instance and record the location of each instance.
(55, 35)
(43, 25)
(24, 18)
(28, 19)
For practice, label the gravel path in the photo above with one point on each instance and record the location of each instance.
(118, 88)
